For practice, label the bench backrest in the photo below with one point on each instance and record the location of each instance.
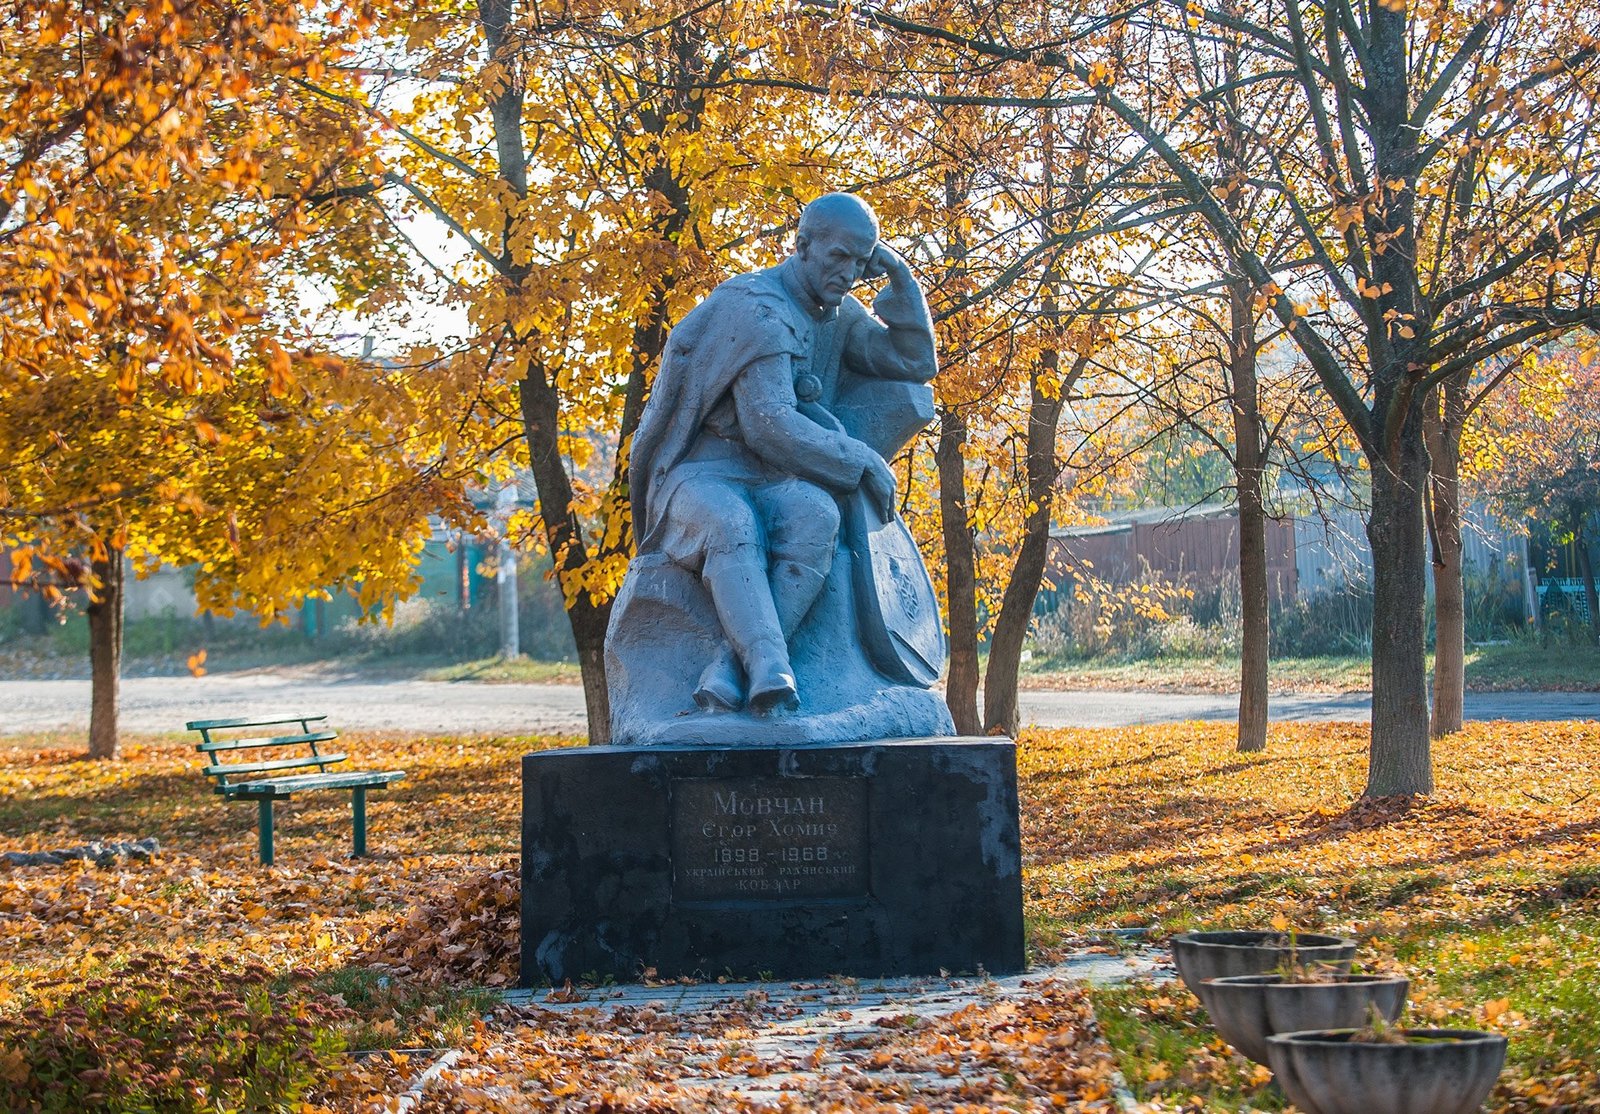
(275, 752)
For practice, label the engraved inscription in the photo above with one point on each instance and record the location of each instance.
(768, 837)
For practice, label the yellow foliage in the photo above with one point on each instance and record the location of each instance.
(160, 390)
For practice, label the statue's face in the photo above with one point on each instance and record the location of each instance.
(832, 258)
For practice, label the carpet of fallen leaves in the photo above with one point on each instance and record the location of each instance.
(1488, 893)
(1169, 827)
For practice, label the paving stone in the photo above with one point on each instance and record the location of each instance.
(833, 1015)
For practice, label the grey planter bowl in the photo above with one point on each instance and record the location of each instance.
(1247, 1009)
(1218, 955)
(1324, 1072)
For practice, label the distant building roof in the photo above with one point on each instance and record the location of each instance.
(1118, 522)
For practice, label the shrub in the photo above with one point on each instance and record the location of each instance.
(1326, 623)
(1494, 606)
(1127, 620)
(157, 1036)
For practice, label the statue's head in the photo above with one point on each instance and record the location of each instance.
(838, 233)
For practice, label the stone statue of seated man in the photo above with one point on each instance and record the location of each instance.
(764, 509)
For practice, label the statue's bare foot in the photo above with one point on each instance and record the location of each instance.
(720, 688)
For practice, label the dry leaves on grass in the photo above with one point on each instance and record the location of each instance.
(451, 824)
(1168, 825)
(467, 935)
(1164, 826)
(1486, 893)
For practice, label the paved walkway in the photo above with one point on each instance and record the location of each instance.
(155, 704)
(845, 1018)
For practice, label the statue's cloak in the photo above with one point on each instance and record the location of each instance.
(745, 319)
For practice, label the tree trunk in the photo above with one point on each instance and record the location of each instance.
(36, 613)
(1248, 464)
(961, 580)
(1000, 712)
(1580, 545)
(1442, 426)
(105, 656)
(1399, 757)
(564, 535)
(540, 401)
(1449, 624)
(1400, 760)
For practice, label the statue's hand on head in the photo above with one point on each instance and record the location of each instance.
(886, 261)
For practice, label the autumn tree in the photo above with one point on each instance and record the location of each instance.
(639, 155)
(1027, 257)
(170, 188)
(1384, 106)
(1537, 452)
(1240, 333)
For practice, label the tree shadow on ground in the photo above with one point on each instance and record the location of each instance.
(1110, 825)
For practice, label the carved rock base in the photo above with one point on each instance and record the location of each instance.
(896, 857)
(664, 631)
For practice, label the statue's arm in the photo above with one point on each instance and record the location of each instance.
(773, 428)
(898, 342)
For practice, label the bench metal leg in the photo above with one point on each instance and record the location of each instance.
(358, 817)
(264, 829)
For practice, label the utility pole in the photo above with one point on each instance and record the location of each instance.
(506, 576)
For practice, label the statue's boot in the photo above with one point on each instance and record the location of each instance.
(795, 587)
(721, 687)
(772, 684)
(743, 600)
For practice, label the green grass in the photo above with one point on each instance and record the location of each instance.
(502, 671)
(1165, 1045)
(1543, 966)
(1533, 977)
(1524, 665)
(1562, 664)
(1199, 674)
(397, 1014)
(153, 650)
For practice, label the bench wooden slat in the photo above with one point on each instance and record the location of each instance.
(268, 790)
(237, 768)
(219, 724)
(266, 741)
(283, 786)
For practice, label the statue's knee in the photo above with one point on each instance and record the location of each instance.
(817, 519)
(723, 516)
(739, 531)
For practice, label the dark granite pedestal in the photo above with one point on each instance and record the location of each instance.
(898, 857)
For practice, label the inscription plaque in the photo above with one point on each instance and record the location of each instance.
(735, 838)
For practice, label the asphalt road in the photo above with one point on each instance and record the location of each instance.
(155, 704)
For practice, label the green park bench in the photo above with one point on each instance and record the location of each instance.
(303, 749)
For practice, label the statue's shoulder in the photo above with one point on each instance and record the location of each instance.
(758, 292)
(752, 307)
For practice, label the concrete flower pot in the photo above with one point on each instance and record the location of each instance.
(1217, 955)
(1247, 1009)
(1437, 1071)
